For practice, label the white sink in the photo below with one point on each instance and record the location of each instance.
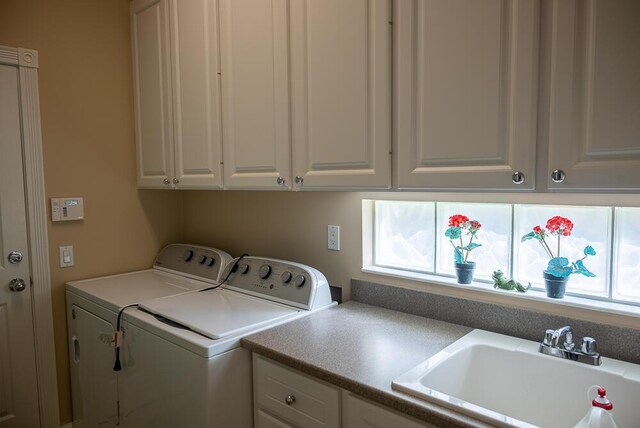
(507, 382)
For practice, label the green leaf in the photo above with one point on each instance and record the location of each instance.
(457, 256)
(581, 269)
(471, 246)
(453, 232)
(589, 251)
(559, 266)
(528, 236)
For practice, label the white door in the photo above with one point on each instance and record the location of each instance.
(255, 94)
(341, 93)
(594, 126)
(466, 93)
(18, 386)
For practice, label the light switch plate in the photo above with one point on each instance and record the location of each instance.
(333, 237)
(66, 256)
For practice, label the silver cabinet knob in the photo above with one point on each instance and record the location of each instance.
(290, 399)
(558, 176)
(15, 257)
(17, 285)
(166, 181)
(518, 177)
(280, 181)
(176, 181)
(299, 179)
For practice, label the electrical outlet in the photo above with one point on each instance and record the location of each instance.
(333, 237)
(66, 256)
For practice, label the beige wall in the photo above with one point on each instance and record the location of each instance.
(89, 150)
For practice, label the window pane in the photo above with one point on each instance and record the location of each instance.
(591, 227)
(494, 236)
(627, 255)
(404, 235)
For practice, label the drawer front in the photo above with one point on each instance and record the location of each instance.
(294, 396)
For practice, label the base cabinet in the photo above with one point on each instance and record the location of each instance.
(284, 397)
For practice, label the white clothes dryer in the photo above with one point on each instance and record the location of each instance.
(182, 361)
(92, 308)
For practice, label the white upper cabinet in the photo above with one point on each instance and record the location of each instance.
(466, 93)
(152, 94)
(594, 126)
(340, 93)
(177, 104)
(255, 94)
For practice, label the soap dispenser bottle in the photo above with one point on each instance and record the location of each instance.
(599, 415)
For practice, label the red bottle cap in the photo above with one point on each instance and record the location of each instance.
(602, 401)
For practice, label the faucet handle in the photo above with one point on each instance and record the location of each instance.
(547, 337)
(589, 346)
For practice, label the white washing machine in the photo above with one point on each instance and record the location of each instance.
(182, 361)
(92, 308)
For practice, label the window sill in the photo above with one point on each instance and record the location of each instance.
(531, 295)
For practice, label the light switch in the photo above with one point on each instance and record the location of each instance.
(66, 256)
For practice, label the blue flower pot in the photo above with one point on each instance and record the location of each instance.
(464, 272)
(555, 286)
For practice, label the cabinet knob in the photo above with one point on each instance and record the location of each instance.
(299, 179)
(280, 181)
(166, 181)
(558, 176)
(518, 177)
(176, 181)
(290, 399)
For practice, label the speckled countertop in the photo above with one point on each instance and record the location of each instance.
(362, 348)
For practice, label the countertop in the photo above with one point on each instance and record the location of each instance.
(362, 348)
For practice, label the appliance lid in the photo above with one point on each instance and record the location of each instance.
(217, 314)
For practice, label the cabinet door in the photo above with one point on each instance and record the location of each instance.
(255, 94)
(152, 92)
(358, 413)
(196, 95)
(341, 86)
(594, 127)
(466, 88)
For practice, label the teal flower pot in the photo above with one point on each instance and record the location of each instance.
(555, 286)
(464, 272)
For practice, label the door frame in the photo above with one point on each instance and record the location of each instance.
(26, 61)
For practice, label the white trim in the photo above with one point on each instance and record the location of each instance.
(27, 62)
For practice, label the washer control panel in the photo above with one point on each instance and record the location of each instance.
(280, 281)
(193, 261)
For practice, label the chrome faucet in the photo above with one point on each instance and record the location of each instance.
(586, 354)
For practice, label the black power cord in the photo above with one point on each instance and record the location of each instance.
(233, 269)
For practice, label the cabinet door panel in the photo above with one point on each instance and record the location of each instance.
(340, 62)
(197, 138)
(152, 92)
(255, 93)
(466, 93)
(594, 131)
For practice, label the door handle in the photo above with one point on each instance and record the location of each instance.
(76, 350)
(17, 285)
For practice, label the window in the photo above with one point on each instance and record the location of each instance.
(409, 237)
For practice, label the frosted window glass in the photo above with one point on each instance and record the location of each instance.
(591, 227)
(627, 255)
(404, 235)
(494, 237)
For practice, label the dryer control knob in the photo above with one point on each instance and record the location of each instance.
(299, 281)
(265, 271)
(211, 262)
(243, 268)
(203, 259)
(188, 255)
(286, 277)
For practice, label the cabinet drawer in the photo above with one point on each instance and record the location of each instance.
(294, 396)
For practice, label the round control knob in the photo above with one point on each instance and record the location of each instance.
(265, 271)
(243, 268)
(286, 277)
(203, 259)
(299, 281)
(188, 255)
(211, 262)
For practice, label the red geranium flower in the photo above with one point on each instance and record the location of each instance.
(560, 226)
(458, 220)
(474, 225)
(538, 230)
